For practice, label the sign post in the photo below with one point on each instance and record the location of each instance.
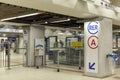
(92, 46)
(39, 52)
(97, 44)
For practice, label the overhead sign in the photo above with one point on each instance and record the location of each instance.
(93, 27)
(93, 42)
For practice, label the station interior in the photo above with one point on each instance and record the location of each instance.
(62, 35)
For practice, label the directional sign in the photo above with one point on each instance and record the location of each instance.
(91, 66)
(93, 42)
(93, 27)
(91, 30)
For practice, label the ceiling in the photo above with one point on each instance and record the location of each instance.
(43, 18)
(50, 19)
(116, 27)
(7, 10)
(115, 2)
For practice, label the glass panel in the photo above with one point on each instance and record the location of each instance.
(16, 58)
(2, 58)
(69, 57)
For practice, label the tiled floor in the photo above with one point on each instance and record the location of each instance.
(25, 73)
(15, 58)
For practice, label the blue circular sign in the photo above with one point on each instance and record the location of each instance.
(93, 27)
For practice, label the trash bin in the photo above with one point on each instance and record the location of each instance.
(114, 56)
(38, 59)
(36, 52)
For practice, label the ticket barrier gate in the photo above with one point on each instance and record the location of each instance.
(114, 57)
(113, 61)
(5, 56)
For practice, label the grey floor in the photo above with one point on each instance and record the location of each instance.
(15, 58)
(25, 73)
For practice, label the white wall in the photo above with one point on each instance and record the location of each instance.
(21, 45)
(48, 32)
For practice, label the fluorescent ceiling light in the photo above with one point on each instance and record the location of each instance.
(8, 19)
(79, 27)
(61, 33)
(61, 21)
(46, 22)
(4, 35)
(22, 16)
(28, 15)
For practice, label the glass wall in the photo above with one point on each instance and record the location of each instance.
(64, 50)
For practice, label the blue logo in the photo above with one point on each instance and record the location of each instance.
(93, 27)
(91, 66)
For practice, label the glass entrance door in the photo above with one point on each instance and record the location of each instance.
(5, 54)
(2, 58)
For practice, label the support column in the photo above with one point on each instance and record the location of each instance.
(20, 45)
(98, 43)
(35, 32)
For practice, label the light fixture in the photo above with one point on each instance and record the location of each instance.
(46, 22)
(68, 19)
(22, 16)
(8, 19)
(60, 33)
(4, 35)
(79, 27)
(61, 21)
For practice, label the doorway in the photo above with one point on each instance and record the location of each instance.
(12, 54)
